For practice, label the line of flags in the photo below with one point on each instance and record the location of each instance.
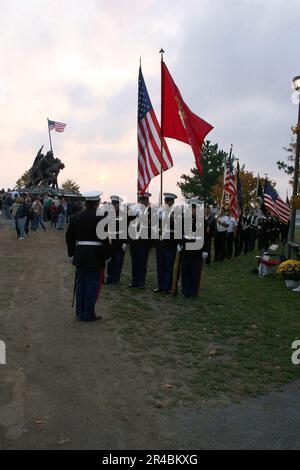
(267, 195)
(274, 203)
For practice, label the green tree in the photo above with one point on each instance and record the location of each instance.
(194, 185)
(70, 185)
(23, 181)
(288, 167)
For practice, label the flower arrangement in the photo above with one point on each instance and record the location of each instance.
(289, 269)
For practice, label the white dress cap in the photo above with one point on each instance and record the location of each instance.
(170, 196)
(145, 195)
(116, 199)
(92, 195)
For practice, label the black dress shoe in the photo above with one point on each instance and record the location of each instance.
(158, 290)
(97, 318)
(132, 285)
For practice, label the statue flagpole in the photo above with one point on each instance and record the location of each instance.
(161, 127)
(49, 136)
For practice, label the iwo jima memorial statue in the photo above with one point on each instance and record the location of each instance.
(43, 175)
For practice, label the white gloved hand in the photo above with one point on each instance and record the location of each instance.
(124, 246)
(204, 254)
(179, 248)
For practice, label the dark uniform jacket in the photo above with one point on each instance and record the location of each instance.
(82, 227)
(147, 220)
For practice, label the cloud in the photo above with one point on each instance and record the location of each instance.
(77, 62)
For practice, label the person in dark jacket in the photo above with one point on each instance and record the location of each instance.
(166, 250)
(89, 256)
(140, 247)
(21, 216)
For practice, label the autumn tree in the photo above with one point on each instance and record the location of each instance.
(194, 185)
(23, 181)
(70, 185)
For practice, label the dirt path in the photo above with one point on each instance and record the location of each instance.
(74, 386)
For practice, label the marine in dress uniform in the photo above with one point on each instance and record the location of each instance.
(119, 245)
(231, 233)
(140, 248)
(166, 252)
(221, 235)
(192, 260)
(89, 256)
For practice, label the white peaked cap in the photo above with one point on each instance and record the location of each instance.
(146, 195)
(115, 198)
(92, 195)
(170, 196)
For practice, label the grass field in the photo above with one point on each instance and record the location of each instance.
(233, 341)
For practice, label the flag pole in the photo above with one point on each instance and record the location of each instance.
(49, 136)
(223, 195)
(161, 126)
(137, 182)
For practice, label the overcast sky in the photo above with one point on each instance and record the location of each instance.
(77, 62)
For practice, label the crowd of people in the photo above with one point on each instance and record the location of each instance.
(29, 212)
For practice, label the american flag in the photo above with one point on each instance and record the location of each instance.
(229, 183)
(57, 126)
(149, 143)
(275, 204)
(230, 189)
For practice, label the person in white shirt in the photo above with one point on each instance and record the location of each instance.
(221, 235)
(231, 233)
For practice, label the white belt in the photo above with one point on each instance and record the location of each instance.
(83, 243)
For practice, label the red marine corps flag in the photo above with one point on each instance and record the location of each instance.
(178, 121)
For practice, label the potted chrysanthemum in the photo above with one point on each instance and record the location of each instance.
(290, 271)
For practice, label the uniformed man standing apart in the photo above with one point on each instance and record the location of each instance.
(166, 251)
(221, 235)
(119, 245)
(231, 233)
(139, 248)
(89, 256)
(192, 260)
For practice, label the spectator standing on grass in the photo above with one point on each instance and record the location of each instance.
(38, 215)
(8, 202)
(53, 214)
(46, 203)
(62, 211)
(21, 216)
(14, 210)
